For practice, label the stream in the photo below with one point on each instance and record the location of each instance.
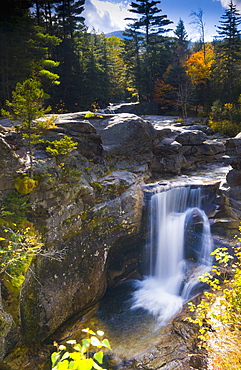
(137, 316)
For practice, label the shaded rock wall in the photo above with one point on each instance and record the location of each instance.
(232, 190)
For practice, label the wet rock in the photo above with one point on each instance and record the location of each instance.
(172, 163)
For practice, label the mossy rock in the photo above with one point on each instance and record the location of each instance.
(24, 184)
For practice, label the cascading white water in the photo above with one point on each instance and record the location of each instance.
(175, 214)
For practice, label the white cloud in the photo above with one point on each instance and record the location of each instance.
(225, 3)
(105, 16)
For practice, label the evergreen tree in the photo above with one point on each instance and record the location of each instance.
(27, 106)
(149, 19)
(70, 26)
(152, 24)
(181, 41)
(132, 58)
(175, 74)
(69, 16)
(228, 54)
(16, 28)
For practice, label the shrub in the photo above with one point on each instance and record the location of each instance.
(24, 184)
(61, 147)
(225, 127)
(86, 356)
(219, 311)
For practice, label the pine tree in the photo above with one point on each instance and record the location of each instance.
(152, 25)
(228, 55)
(132, 57)
(69, 16)
(27, 106)
(150, 21)
(181, 41)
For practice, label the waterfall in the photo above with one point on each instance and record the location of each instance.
(179, 247)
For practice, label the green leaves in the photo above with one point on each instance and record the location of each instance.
(78, 357)
(61, 147)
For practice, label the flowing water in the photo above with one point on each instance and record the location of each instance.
(179, 246)
(136, 317)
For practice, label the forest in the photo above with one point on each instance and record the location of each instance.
(81, 70)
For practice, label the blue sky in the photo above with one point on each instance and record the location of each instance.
(108, 15)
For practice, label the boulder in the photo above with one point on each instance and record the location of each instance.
(234, 178)
(127, 134)
(166, 146)
(127, 140)
(191, 137)
(233, 152)
(172, 164)
(82, 132)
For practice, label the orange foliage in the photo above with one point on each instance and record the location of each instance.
(163, 94)
(199, 64)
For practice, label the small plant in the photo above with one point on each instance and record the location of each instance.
(24, 184)
(179, 120)
(86, 356)
(89, 114)
(27, 106)
(64, 146)
(17, 250)
(14, 209)
(219, 311)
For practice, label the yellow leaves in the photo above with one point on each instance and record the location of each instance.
(24, 184)
(199, 64)
(87, 356)
(18, 250)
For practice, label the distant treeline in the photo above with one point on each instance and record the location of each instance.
(81, 70)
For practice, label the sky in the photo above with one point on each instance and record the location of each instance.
(108, 15)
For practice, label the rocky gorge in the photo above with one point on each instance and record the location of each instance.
(91, 215)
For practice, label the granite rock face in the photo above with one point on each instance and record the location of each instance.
(84, 210)
(89, 210)
(154, 148)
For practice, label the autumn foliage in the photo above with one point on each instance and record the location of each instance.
(199, 64)
(163, 94)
